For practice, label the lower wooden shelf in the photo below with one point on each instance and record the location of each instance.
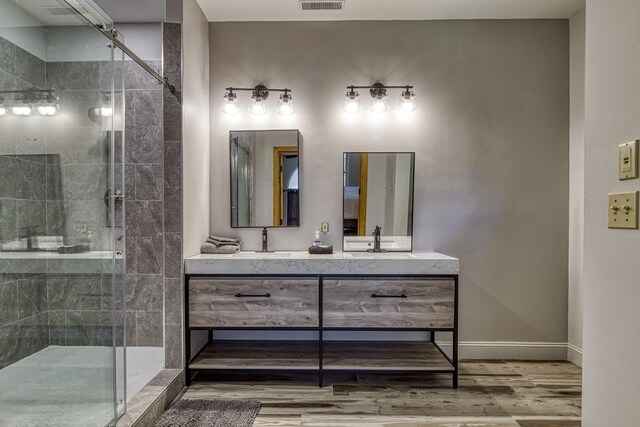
(384, 356)
(337, 356)
(286, 355)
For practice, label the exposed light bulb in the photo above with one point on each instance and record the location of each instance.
(22, 110)
(351, 102)
(4, 111)
(47, 110)
(104, 111)
(231, 104)
(285, 105)
(101, 112)
(379, 105)
(257, 107)
(48, 106)
(407, 103)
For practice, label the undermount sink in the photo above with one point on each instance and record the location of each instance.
(380, 255)
(363, 243)
(260, 255)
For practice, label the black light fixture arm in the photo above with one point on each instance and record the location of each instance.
(259, 87)
(380, 85)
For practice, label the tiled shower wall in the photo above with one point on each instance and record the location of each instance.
(23, 304)
(40, 310)
(173, 287)
(144, 178)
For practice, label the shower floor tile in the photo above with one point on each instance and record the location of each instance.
(70, 386)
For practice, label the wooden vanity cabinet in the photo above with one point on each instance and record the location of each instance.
(323, 304)
(253, 302)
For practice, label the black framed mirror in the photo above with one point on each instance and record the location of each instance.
(378, 192)
(265, 178)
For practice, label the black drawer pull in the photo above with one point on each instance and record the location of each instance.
(253, 296)
(388, 296)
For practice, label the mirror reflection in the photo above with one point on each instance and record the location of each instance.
(265, 171)
(378, 201)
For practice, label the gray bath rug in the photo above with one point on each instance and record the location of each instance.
(209, 413)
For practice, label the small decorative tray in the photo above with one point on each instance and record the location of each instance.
(321, 250)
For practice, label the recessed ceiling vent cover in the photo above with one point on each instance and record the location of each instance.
(319, 5)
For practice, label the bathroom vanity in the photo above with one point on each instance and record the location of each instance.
(323, 294)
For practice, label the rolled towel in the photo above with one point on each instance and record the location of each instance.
(223, 241)
(210, 248)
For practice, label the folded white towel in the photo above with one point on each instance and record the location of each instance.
(210, 248)
(222, 241)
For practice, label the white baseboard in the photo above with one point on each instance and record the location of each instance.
(574, 354)
(509, 350)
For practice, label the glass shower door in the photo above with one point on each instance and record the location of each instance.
(62, 321)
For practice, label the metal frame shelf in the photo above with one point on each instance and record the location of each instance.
(320, 329)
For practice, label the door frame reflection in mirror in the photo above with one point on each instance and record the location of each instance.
(278, 182)
(363, 179)
(276, 214)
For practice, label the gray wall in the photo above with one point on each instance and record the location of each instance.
(576, 183)
(196, 134)
(491, 136)
(611, 267)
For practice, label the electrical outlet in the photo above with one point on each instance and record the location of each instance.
(623, 210)
(325, 227)
(628, 160)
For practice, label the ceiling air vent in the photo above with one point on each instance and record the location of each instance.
(319, 5)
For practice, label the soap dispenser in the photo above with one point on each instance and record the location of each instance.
(317, 242)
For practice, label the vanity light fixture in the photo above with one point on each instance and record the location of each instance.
(98, 114)
(231, 103)
(378, 92)
(101, 112)
(352, 101)
(259, 95)
(23, 109)
(28, 103)
(48, 106)
(407, 102)
(285, 104)
(379, 95)
(4, 111)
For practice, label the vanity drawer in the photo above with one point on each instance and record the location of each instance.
(251, 302)
(389, 303)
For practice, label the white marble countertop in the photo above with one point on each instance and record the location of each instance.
(292, 262)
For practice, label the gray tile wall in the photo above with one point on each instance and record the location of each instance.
(44, 310)
(172, 50)
(23, 203)
(144, 177)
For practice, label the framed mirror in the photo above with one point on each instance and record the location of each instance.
(265, 178)
(378, 192)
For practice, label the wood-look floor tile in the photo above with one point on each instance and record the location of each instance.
(518, 406)
(278, 420)
(549, 423)
(386, 421)
(496, 367)
(548, 372)
(319, 407)
(533, 394)
(258, 392)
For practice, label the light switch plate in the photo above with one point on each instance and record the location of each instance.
(623, 210)
(628, 160)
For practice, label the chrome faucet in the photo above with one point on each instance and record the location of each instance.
(376, 240)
